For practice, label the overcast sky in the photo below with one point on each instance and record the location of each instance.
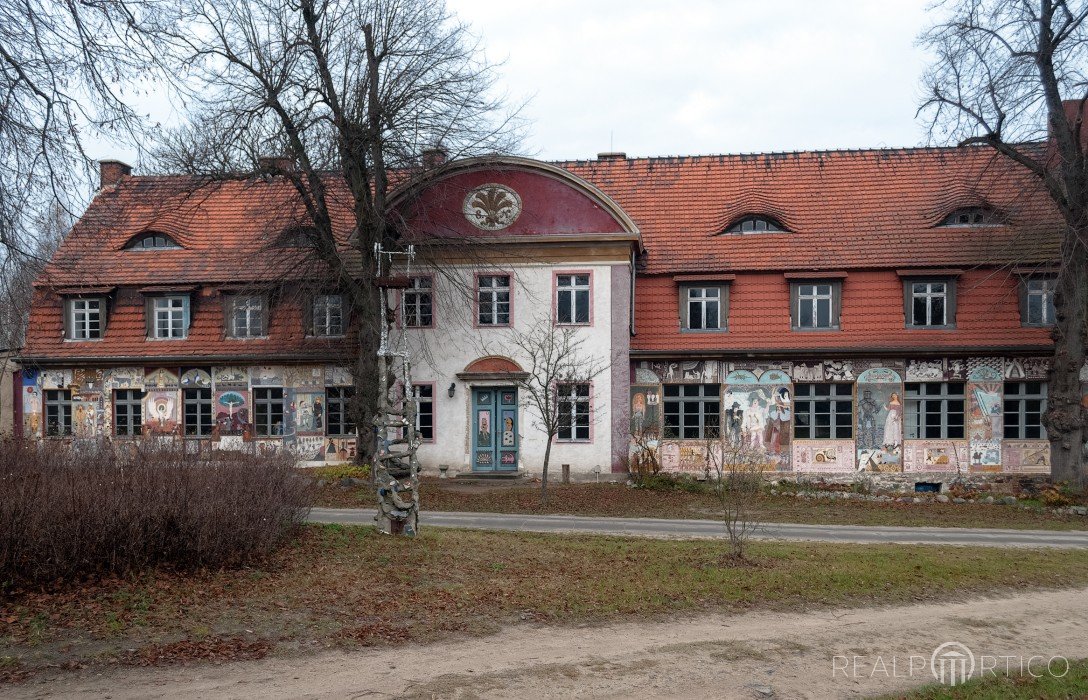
(655, 78)
(697, 76)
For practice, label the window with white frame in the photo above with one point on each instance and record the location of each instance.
(572, 298)
(493, 300)
(337, 408)
(247, 316)
(85, 318)
(701, 307)
(573, 412)
(1025, 404)
(419, 303)
(692, 411)
(327, 316)
(128, 412)
(934, 410)
(815, 305)
(58, 412)
(268, 411)
(424, 395)
(930, 303)
(1037, 302)
(170, 317)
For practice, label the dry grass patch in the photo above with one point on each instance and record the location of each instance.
(348, 586)
(617, 500)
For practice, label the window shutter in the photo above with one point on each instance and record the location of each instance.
(794, 292)
(186, 303)
(908, 318)
(149, 315)
(950, 320)
(66, 305)
(308, 314)
(836, 305)
(723, 307)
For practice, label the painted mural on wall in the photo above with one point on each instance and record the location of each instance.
(758, 416)
(160, 378)
(879, 410)
(645, 439)
(823, 455)
(231, 412)
(935, 456)
(984, 419)
(1027, 456)
(196, 378)
(161, 412)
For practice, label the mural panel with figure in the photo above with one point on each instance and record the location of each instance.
(879, 420)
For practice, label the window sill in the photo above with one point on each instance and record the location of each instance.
(573, 442)
(1037, 325)
(829, 329)
(160, 340)
(704, 331)
(83, 340)
(245, 337)
(930, 328)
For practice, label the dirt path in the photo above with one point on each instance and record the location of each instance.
(745, 656)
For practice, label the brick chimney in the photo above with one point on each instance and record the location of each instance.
(612, 155)
(434, 157)
(110, 172)
(275, 164)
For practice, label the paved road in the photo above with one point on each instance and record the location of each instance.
(656, 527)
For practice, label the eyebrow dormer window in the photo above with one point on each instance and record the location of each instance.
(755, 224)
(972, 216)
(152, 241)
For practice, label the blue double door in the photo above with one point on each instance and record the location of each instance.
(495, 429)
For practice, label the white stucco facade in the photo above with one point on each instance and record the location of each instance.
(442, 353)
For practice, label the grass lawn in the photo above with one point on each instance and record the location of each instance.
(1072, 685)
(348, 586)
(620, 501)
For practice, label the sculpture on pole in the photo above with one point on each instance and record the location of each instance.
(396, 469)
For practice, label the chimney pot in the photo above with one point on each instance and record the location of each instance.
(612, 155)
(275, 164)
(110, 172)
(433, 157)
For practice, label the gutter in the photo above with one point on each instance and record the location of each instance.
(913, 351)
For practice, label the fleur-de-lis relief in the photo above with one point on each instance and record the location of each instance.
(492, 207)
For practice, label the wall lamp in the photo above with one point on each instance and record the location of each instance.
(452, 389)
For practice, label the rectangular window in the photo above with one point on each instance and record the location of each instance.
(424, 394)
(824, 412)
(934, 410)
(170, 317)
(701, 308)
(815, 305)
(419, 303)
(1037, 303)
(247, 317)
(58, 412)
(268, 411)
(692, 411)
(929, 304)
(337, 401)
(197, 405)
(573, 412)
(572, 299)
(1025, 404)
(85, 319)
(493, 300)
(328, 316)
(128, 412)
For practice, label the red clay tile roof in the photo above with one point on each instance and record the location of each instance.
(845, 209)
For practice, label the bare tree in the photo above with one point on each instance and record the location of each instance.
(558, 381)
(735, 474)
(1002, 68)
(68, 73)
(348, 92)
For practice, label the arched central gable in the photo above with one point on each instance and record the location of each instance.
(505, 197)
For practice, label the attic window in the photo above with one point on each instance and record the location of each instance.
(755, 224)
(972, 216)
(298, 238)
(152, 241)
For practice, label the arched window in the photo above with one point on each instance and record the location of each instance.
(298, 237)
(972, 216)
(152, 241)
(755, 224)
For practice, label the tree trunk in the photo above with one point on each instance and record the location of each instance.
(371, 315)
(544, 473)
(1066, 415)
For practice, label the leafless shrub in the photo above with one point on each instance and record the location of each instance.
(67, 512)
(735, 474)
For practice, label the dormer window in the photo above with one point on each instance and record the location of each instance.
(755, 224)
(299, 237)
(972, 216)
(152, 241)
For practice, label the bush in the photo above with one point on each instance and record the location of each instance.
(103, 508)
(335, 472)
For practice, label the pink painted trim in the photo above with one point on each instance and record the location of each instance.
(400, 304)
(574, 441)
(555, 296)
(476, 299)
(434, 409)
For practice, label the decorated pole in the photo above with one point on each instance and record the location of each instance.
(396, 469)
